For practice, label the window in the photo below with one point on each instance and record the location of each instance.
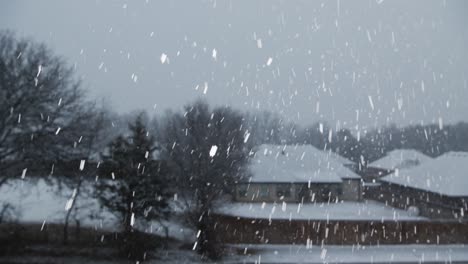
(324, 193)
(264, 191)
(283, 191)
(242, 190)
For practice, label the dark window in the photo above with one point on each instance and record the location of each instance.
(283, 190)
(324, 193)
(242, 190)
(264, 191)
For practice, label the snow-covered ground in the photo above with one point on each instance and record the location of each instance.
(366, 210)
(351, 254)
(38, 201)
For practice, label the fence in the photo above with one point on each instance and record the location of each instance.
(245, 230)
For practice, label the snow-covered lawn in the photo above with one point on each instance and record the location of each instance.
(351, 254)
(366, 210)
(36, 201)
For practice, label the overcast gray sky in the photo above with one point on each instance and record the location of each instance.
(364, 63)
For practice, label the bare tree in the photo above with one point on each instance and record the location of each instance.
(207, 152)
(270, 128)
(92, 142)
(43, 113)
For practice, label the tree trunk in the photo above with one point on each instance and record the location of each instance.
(166, 239)
(65, 229)
(67, 216)
(207, 243)
(128, 228)
(77, 230)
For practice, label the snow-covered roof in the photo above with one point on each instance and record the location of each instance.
(297, 163)
(339, 158)
(367, 210)
(400, 159)
(447, 174)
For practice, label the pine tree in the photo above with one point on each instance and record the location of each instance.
(132, 183)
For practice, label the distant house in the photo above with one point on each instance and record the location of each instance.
(437, 189)
(298, 173)
(299, 194)
(396, 159)
(399, 159)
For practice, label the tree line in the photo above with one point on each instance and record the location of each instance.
(430, 139)
(49, 127)
(196, 154)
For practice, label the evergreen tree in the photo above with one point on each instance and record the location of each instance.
(133, 184)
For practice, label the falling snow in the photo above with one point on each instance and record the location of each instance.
(213, 151)
(163, 58)
(278, 132)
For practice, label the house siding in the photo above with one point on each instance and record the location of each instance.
(299, 192)
(351, 190)
(255, 193)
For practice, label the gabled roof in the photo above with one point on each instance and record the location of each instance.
(400, 159)
(298, 163)
(447, 175)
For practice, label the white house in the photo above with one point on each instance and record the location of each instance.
(400, 159)
(396, 159)
(439, 188)
(298, 173)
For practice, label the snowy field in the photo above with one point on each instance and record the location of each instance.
(352, 254)
(366, 210)
(35, 201)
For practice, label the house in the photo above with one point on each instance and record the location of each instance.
(398, 159)
(298, 173)
(435, 189)
(302, 195)
(299, 194)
